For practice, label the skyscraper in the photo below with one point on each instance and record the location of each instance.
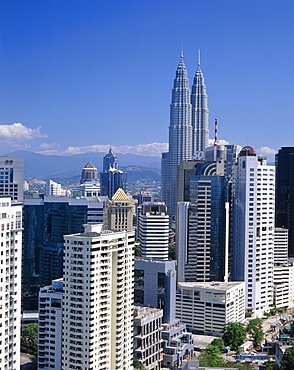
(180, 137)
(120, 212)
(253, 229)
(89, 173)
(285, 193)
(98, 300)
(199, 113)
(10, 276)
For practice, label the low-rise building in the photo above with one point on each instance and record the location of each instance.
(206, 307)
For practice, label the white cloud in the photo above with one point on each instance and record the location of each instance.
(152, 149)
(220, 142)
(17, 131)
(265, 150)
(48, 146)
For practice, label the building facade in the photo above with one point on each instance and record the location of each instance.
(120, 212)
(285, 193)
(207, 307)
(10, 283)
(253, 229)
(11, 177)
(147, 337)
(50, 326)
(98, 300)
(154, 231)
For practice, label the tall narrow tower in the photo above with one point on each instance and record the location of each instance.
(199, 112)
(180, 137)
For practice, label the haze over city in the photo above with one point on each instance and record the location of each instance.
(78, 77)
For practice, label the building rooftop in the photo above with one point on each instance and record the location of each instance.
(220, 285)
(120, 195)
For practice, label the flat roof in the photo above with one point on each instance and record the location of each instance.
(211, 285)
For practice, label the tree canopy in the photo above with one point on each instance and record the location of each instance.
(287, 362)
(254, 328)
(29, 336)
(234, 335)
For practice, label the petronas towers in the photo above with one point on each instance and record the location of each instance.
(188, 130)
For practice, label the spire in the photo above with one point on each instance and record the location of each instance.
(182, 50)
(199, 57)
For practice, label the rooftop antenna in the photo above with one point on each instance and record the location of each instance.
(215, 133)
(182, 49)
(199, 57)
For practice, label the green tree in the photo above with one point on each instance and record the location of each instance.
(254, 328)
(234, 335)
(270, 366)
(287, 362)
(210, 357)
(137, 364)
(219, 343)
(29, 337)
(172, 251)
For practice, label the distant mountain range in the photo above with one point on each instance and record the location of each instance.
(39, 166)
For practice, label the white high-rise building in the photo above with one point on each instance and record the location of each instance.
(10, 283)
(50, 326)
(154, 231)
(55, 189)
(253, 229)
(98, 300)
(281, 245)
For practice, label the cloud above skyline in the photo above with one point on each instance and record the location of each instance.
(17, 131)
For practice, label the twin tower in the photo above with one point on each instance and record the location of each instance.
(188, 130)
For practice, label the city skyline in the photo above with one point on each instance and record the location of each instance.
(69, 73)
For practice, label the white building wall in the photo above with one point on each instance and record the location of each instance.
(10, 283)
(253, 231)
(98, 299)
(50, 326)
(207, 307)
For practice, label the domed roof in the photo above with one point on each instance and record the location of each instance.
(247, 151)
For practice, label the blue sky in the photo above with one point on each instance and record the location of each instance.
(78, 75)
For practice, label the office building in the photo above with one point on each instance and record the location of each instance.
(285, 193)
(147, 337)
(143, 197)
(10, 273)
(207, 307)
(89, 173)
(98, 300)
(253, 229)
(50, 326)
(199, 113)
(11, 177)
(180, 138)
(203, 227)
(111, 178)
(45, 222)
(154, 231)
(120, 212)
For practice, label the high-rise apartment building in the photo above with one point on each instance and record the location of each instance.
(98, 300)
(285, 193)
(154, 231)
(11, 177)
(10, 283)
(120, 212)
(253, 229)
(50, 326)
